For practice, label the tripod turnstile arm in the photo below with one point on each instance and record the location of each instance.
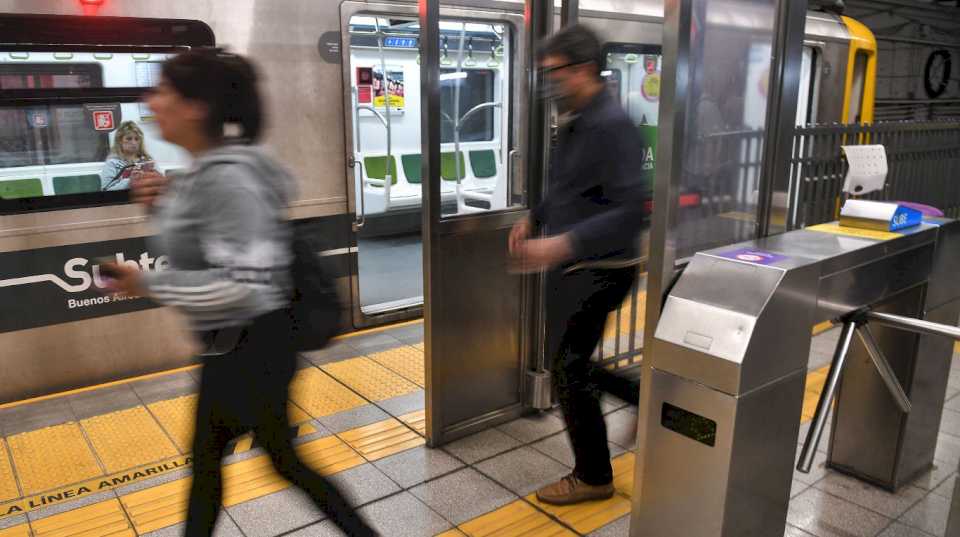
(914, 325)
(826, 399)
(858, 325)
(883, 367)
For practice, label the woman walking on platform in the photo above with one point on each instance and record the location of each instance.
(224, 227)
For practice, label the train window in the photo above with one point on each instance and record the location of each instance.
(76, 154)
(41, 135)
(476, 87)
(475, 107)
(857, 87)
(74, 126)
(72, 118)
(632, 72)
(38, 135)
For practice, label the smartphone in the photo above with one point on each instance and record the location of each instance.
(107, 267)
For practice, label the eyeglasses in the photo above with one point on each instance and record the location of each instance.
(548, 70)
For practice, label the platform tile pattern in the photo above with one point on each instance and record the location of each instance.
(469, 487)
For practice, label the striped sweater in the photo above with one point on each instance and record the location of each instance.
(224, 227)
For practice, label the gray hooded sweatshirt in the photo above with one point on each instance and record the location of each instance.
(224, 227)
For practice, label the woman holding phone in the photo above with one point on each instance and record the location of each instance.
(223, 225)
(128, 152)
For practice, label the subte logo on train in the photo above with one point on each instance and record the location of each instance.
(80, 274)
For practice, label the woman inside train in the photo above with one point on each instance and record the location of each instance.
(127, 152)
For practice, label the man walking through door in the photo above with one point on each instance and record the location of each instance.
(590, 218)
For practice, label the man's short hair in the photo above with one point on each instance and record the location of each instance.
(576, 43)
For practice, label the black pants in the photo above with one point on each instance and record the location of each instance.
(244, 390)
(577, 306)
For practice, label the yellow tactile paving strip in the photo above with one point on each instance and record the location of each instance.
(328, 455)
(589, 516)
(52, 457)
(127, 438)
(296, 414)
(811, 395)
(104, 519)
(16, 531)
(8, 481)
(244, 443)
(611, 327)
(416, 420)
(166, 505)
(256, 477)
(449, 533)
(382, 439)
(623, 474)
(319, 395)
(176, 416)
(158, 507)
(369, 379)
(404, 361)
(517, 518)
(419, 346)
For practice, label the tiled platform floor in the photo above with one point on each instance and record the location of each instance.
(480, 485)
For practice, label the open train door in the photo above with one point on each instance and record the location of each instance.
(475, 311)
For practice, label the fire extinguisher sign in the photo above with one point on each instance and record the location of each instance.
(103, 120)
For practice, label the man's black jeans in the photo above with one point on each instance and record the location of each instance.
(577, 306)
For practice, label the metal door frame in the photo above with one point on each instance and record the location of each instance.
(515, 132)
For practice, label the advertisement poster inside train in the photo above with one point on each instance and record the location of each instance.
(393, 85)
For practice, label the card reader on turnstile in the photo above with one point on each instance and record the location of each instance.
(723, 381)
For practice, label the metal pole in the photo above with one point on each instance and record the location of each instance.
(456, 118)
(781, 107)
(826, 399)
(388, 178)
(538, 17)
(883, 367)
(429, 11)
(569, 12)
(671, 134)
(914, 325)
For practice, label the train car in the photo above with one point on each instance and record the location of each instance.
(341, 81)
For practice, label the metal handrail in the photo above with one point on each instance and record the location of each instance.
(362, 217)
(481, 106)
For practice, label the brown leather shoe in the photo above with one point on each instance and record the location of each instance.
(571, 490)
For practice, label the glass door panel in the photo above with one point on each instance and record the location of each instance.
(384, 118)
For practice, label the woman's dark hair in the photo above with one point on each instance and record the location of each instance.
(226, 83)
(576, 43)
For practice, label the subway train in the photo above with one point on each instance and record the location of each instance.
(341, 83)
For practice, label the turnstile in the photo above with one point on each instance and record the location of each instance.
(723, 381)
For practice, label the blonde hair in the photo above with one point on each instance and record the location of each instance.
(129, 127)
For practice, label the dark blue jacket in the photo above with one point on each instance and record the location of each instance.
(597, 189)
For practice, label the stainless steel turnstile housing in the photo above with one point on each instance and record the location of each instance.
(723, 382)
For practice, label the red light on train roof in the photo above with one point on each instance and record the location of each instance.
(90, 7)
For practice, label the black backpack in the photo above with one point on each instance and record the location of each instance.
(316, 308)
